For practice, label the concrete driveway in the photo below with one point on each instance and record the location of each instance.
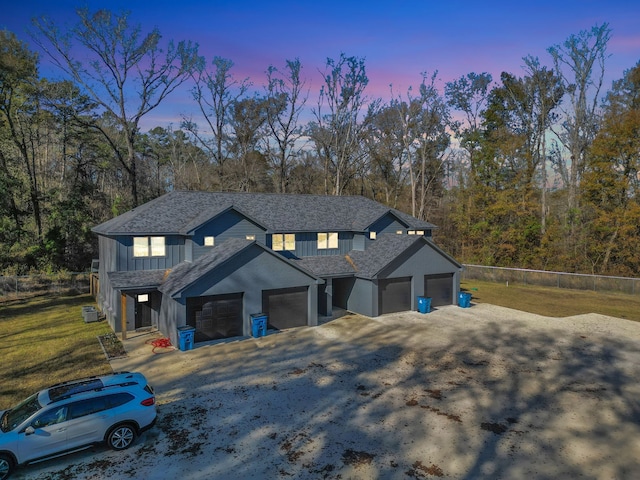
(483, 392)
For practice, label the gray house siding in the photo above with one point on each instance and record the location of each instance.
(387, 224)
(174, 254)
(227, 225)
(307, 245)
(419, 262)
(363, 298)
(251, 272)
(352, 272)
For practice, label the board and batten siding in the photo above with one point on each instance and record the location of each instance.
(227, 225)
(173, 254)
(307, 245)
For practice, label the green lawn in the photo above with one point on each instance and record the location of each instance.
(553, 302)
(44, 340)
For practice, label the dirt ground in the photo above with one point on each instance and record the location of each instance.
(480, 392)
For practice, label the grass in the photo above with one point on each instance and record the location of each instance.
(43, 341)
(553, 302)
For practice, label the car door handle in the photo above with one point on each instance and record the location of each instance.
(61, 429)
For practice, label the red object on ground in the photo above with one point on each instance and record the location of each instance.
(161, 343)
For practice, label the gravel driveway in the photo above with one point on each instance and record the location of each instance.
(483, 392)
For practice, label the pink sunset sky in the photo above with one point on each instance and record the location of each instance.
(398, 39)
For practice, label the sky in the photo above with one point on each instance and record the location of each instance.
(398, 39)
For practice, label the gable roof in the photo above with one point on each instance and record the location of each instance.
(369, 263)
(180, 212)
(381, 253)
(186, 274)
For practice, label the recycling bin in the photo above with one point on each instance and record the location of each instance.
(464, 300)
(186, 334)
(258, 325)
(424, 304)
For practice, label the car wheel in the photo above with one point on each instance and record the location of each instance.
(121, 436)
(6, 466)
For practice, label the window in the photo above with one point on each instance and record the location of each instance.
(140, 246)
(117, 399)
(411, 232)
(157, 246)
(209, 241)
(143, 245)
(283, 241)
(51, 417)
(142, 298)
(372, 235)
(250, 237)
(399, 232)
(327, 240)
(419, 232)
(87, 407)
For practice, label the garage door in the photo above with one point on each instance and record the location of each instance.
(439, 288)
(286, 307)
(394, 295)
(217, 316)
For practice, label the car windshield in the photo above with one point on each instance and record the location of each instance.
(18, 414)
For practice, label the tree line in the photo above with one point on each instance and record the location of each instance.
(537, 170)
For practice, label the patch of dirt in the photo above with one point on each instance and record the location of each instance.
(111, 346)
(437, 394)
(450, 416)
(356, 459)
(419, 470)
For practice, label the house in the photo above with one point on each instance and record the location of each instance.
(211, 260)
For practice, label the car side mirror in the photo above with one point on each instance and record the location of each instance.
(29, 430)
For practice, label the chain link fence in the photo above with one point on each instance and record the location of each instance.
(18, 287)
(577, 281)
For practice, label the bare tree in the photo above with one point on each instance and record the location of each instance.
(286, 96)
(579, 61)
(337, 134)
(545, 90)
(424, 119)
(124, 71)
(215, 91)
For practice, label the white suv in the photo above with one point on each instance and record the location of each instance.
(71, 416)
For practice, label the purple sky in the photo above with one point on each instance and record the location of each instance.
(398, 39)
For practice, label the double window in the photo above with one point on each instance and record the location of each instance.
(283, 241)
(327, 240)
(148, 247)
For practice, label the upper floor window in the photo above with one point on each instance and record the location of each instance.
(327, 240)
(283, 241)
(411, 232)
(250, 237)
(209, 241)
(148, 246)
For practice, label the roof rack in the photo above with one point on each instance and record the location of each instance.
(62, 391)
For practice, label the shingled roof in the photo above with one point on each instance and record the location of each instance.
(187, 273)
(182, 212)
(368, 263)
(381, 253)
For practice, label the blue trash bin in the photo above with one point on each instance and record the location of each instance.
(258, 325)
(186, 334)
(464, 300)
(424, 304)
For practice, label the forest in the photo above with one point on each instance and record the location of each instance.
(534, 170)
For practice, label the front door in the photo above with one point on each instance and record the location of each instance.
(144, 306)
